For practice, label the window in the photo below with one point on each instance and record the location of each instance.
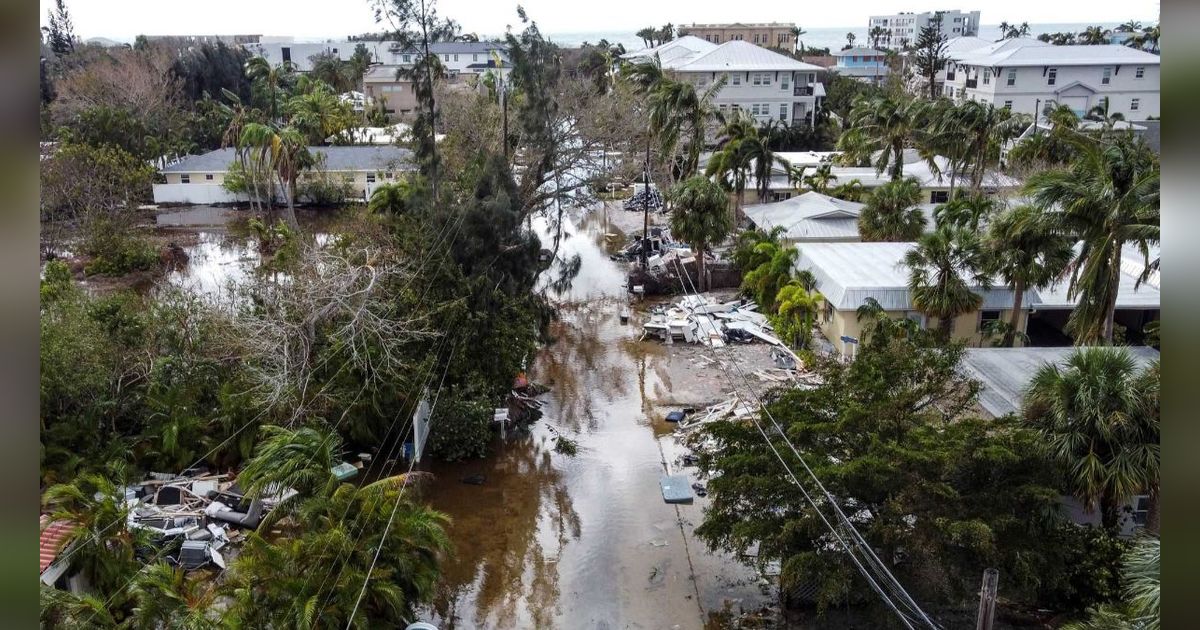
(287, 53)
(1141, 507)
(1133, 105)
(185, 179)
(939, 196)
(987, 76)
(723, 107)
(1052, 76)
(456, 57)
(701, 81)
(754, 109)
(986, 318)
(917, 317)
(783, 111)
(370, 178)
(783, 83)
(208, 177)
(1139, 72)
(407, 58)
(1012, 76)
(474, 57)
(1106, 77)
(1007, 104)
(736, 78)
(447, 57)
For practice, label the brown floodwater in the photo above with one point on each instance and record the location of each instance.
(585, 541)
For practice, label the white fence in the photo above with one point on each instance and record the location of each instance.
(194, 194)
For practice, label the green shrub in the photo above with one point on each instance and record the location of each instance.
(56, 281)
(460, 429)
(132, 254)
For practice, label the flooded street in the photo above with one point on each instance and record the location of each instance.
(586, 541)
(550, 540)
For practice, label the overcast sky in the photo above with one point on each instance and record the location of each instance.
(124, 19)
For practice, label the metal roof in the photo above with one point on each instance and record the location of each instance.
(1031, 52)
(809, 217)
(1145, 297)
(350, 158)
(741, 55)
(849, 273)
(689, 43)
(1006, 372)
(858, 50)
(960, 44)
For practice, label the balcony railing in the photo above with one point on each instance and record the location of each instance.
(972, 83)
(803, 90)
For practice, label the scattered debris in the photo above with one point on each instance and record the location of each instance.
(701, 491)
(675, 416)
(344, 471)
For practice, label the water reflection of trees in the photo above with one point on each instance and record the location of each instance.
(508, 535)
(581, 367)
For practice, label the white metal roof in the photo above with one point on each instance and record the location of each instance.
(961, 44)
(859, 51)
(739, 55)
(691, 44)
(849, 273)
(1145, 297)
(1031, 52)
(1006, 372)
(811, 216)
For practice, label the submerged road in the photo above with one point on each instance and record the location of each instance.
(586, 541)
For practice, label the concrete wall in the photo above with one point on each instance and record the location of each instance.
(195, 193)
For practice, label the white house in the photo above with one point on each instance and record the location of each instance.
(810, 217)
(768, 85)
(902, 29)
(1026, 74)
(199, 179)
(457, 57)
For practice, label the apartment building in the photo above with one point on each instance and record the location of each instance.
(767, 85)
(383, 84)
(1025, 75)
(769, 34)
(902, 29)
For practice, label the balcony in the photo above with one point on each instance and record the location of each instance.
(803, 90)
(972, 83)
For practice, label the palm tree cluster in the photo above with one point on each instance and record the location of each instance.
(679, 115)
(271, 141)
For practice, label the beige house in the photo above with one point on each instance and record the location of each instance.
(767, 34)
(849, 273)
(398, 95)
(199, 179)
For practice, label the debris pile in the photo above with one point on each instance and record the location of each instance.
(645, 199)
(696, 319)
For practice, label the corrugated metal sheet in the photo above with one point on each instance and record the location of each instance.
(52, 540)
(740, 55)
(349, 158)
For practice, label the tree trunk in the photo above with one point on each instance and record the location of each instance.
(945, 328)
(703, 283)
(1110, 513)
(898, 166)
(1111, 308)
(1015, 319)
(289, 189)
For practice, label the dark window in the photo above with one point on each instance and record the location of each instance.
(287, 53)
(986, 317)
(185, 179)
(939, 196)
(370, 178)
(1141, 507)
(208, 177)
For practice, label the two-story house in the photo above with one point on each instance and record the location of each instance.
(864, 64)
(1026, 74)
(767, 85)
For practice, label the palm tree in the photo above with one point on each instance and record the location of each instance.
(699, 217)
(319, 114)
(981, 129)
(257, 141)
(877, 34)
(301, 459)
(796, 313)
(821, 178)
(1027, 251)
(796, 177)
(850, 37)
(1132, 26)
(291, 155)
(756, 151)
(797, 32)
(239, 117)
(1055, 148)
(1094, 35)
(1107, 197)
(965, 211)
(943, 268)
(166, 598)
(1140, 607)
(647, 36)
(731, 169)
(270, 79)
(391, 199)
(104, 548)
(676, 109)
(891, 213)
(746, 253)
(1098, 415)
(764, 281)
(1005, 28)
(882, 126)
(852, 190)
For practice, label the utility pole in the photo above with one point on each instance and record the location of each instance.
(646, 207)
(987, 600)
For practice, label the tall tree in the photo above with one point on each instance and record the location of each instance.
(930, 56)
(1094, 36)
(880, 128)
(891, 213)
(799, 32)
(1098, 415)
(700, 217)
(60, 32)
(1108, 197)
(415, 24)
(850, 37)
(944, 269)
(1025, 248)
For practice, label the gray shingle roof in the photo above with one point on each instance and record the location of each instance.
(352, 158)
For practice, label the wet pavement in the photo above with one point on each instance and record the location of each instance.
(586, 541)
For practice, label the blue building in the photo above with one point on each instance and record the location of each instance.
(865, 64)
